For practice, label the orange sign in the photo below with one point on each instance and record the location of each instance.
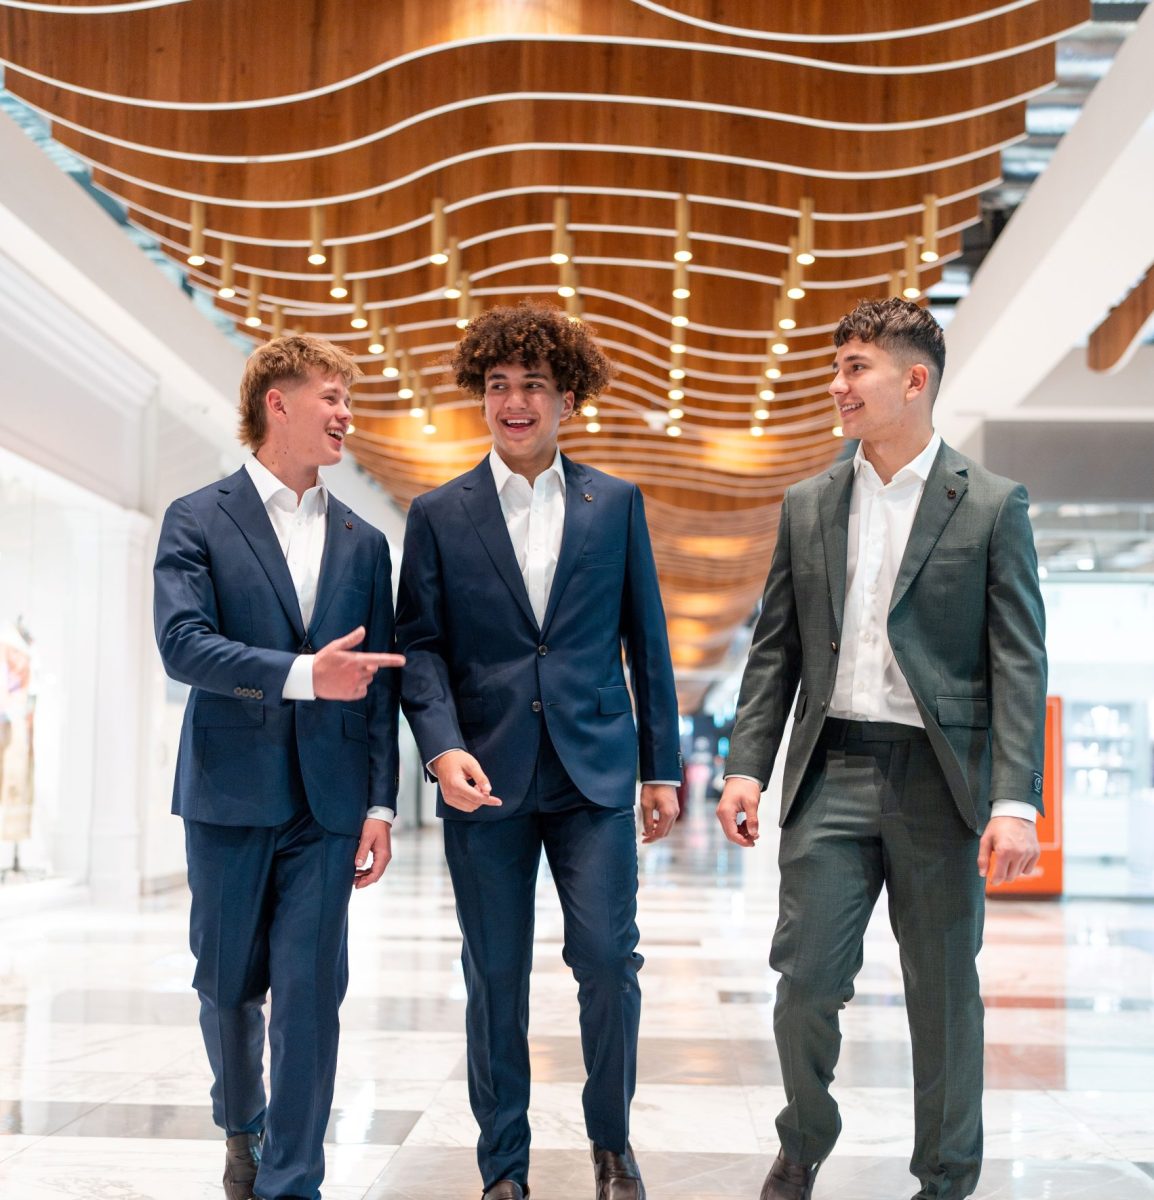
(1046, 877)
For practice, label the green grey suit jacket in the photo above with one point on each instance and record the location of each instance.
(965, 622)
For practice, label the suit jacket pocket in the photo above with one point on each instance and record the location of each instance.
(610, 558)
(354, 725)
(970, 711)
(799, 708)
(611, 700)
(471, 710)
(227, 714)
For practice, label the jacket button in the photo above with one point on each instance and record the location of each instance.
(536, 706)
(833, 647)
(238, 691)
(258, 694)
(542, 650)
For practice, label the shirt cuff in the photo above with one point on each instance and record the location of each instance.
(751, 779)
(378, 812)
(1014, 808)
(298, 684)
(661, 783)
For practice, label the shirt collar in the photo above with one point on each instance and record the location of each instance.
(502, 474)
(269, 486)
(917, 468)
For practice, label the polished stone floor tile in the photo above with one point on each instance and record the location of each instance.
(104, 1086)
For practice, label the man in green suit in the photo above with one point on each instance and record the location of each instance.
(902, 609)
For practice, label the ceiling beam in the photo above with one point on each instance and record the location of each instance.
(1080, 240)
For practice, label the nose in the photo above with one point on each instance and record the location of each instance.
(837, 386)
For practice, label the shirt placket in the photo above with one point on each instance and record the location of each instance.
(868, 679)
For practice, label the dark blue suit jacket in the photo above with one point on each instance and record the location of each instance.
(482, 676)
(228, 623)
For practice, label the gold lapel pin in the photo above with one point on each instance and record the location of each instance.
(951, 494)
(587, 498)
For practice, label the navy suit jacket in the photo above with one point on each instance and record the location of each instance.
(228, 623)
(481, 675)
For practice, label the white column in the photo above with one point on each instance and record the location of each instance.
(124, 637)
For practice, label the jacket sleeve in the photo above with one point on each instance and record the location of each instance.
(772, 670)
(645, 638)
(1016, 633)
(384, 694)
(426, 691)
(193, 647)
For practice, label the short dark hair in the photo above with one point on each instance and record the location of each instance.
(531, 333)
(899, 327)
(281, 362)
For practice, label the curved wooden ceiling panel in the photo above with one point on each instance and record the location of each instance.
(868, 118)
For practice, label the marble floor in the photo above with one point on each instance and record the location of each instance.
(104, 1088)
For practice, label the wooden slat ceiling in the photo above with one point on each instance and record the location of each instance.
(266, 110)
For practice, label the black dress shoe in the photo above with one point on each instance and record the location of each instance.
(788, 1180)
(241, 1160)
(617, 1175)
(506, 1189)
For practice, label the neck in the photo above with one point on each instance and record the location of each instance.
(529, 470)
(297, 476)
(888, 457)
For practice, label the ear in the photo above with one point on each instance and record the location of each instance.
(274, 400)
(568, 403)
(919, 378)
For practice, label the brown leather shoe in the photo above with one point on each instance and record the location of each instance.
(788, 1180)
(617, 1175)
(506, 1189)
(241, 1160)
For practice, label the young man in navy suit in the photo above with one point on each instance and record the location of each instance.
(521, 583)
(273, 602)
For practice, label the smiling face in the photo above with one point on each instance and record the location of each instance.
(524, 407)
(881, 400)
(308, 421)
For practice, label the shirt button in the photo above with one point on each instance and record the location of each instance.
(536, 706)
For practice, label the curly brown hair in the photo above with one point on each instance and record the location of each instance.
(899, 327)
(532, 333)
(282, 361)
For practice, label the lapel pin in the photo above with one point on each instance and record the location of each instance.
(951, 494)
(348, 524)
(587, 498)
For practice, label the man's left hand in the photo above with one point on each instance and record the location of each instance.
(1013, 842)
(659, 809)
(376, 843)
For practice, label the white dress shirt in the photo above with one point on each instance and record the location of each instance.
(870, 685)
(300, 529)
(535, 517)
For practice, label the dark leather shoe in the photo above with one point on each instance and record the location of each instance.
(506, 1189)
(241, 1160)
(788, 1180)
(617, 1175)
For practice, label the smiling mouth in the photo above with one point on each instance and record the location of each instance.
(852, 407)
(338, 435)
(518, 422)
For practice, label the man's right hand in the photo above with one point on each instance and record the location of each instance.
(739, 796)
(342, 673)
(463, 784)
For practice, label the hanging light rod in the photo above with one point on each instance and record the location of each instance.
(681, 250)
(196, 234)
(317, 255)
(438, 236)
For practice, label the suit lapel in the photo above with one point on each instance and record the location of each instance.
(833, 511)
(340, 539)
(945, 486)
(480, 501)
(241, 501)
(578, 519)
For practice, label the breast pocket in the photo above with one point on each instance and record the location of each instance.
(609, 558)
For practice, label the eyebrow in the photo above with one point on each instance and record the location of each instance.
(528, 375)
(850, 358)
